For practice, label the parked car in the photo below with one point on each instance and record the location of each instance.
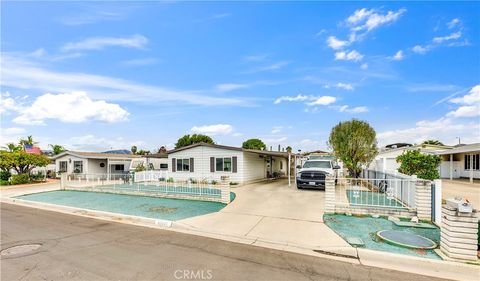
(314, 172)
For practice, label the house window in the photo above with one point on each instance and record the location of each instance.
(118, 167)
(183, 165)
(281, 165)
(163, 166)
(476, 161)
(78, 167)
(223, 164)
(62, 166)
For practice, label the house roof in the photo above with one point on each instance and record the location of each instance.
(157, 155)
(261, 152)
(97, 155)
(474, 147)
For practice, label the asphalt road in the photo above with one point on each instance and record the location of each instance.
(78, 248)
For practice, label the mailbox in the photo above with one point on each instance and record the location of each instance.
(461, 204)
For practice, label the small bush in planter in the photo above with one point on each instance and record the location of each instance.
(20, 179)
(170, 180)
(5, 175)
(233, 183)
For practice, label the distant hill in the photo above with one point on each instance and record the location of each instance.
(119, 151)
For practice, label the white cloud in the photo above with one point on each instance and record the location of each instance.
(470, 104)
(97, 43)
(276, 129)
(444, 129)
(335, 43)
(323, 100)
(368, 20)
(216, 129)
(398, 56)
(473, 97)
(465, 111)
(357, 109)
(230, 87)
(76, 107)
(274, 140)
(221, 15)
(13, 134)
(271, 67)
(453, 23)
(299, 97)
(352, 55)
(420, 49)
(345, 86)
(456, 123)
(364, 66)
(8, 103)
(18, 73)
(453, 36)
(97, 143)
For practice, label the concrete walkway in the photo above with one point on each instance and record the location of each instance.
(463, 188)
(273, 212)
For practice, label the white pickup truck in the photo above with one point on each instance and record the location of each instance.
(314, 172)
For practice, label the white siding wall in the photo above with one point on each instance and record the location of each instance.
(70, 163)
(201, 155)
(254, 167)
(94, 166)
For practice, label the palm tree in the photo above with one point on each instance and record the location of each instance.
(27, 141)
(57, 149)
(13, 147)
(162, 149)
(433, 142)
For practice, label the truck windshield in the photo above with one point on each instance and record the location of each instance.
(317, 164)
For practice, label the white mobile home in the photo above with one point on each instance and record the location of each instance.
(461, 162)
(218, 162)
(77, 162)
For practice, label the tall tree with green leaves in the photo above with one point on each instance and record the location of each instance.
(57, 149)
(14, 147)
(254, 144)
(434, 142)
(354, 143)
(191, 139)
(134, 149)
(21, 161)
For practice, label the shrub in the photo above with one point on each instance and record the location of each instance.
(140, 168)
(170, 180)
(39, 176)
(5, 175)
(3, 182)
(233, 183)
(213, 182)
(20, 179)
(425, 166)
(192, 180)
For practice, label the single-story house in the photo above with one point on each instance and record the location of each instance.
(461, 162)
(219, 162)
(79, 162)
(386, 159)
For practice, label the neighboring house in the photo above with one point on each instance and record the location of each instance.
(461, 162)
(156, 161)
(386, 159)
(218, 162)
(77, 162)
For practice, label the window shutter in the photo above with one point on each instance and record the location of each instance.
(234, 164)
(174, 165)
(191, 165)
(212, 164)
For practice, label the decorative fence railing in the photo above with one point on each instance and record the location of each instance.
(149, 184)
(393, 184)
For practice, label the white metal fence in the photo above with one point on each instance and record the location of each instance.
(376, 192)
(155, 183)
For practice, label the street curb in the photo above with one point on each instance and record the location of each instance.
(416, 265)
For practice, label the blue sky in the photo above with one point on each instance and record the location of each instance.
(95, 76)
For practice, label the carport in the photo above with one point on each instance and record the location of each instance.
(461, 162)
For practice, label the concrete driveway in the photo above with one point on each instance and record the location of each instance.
(274, 213)
(463, 188)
